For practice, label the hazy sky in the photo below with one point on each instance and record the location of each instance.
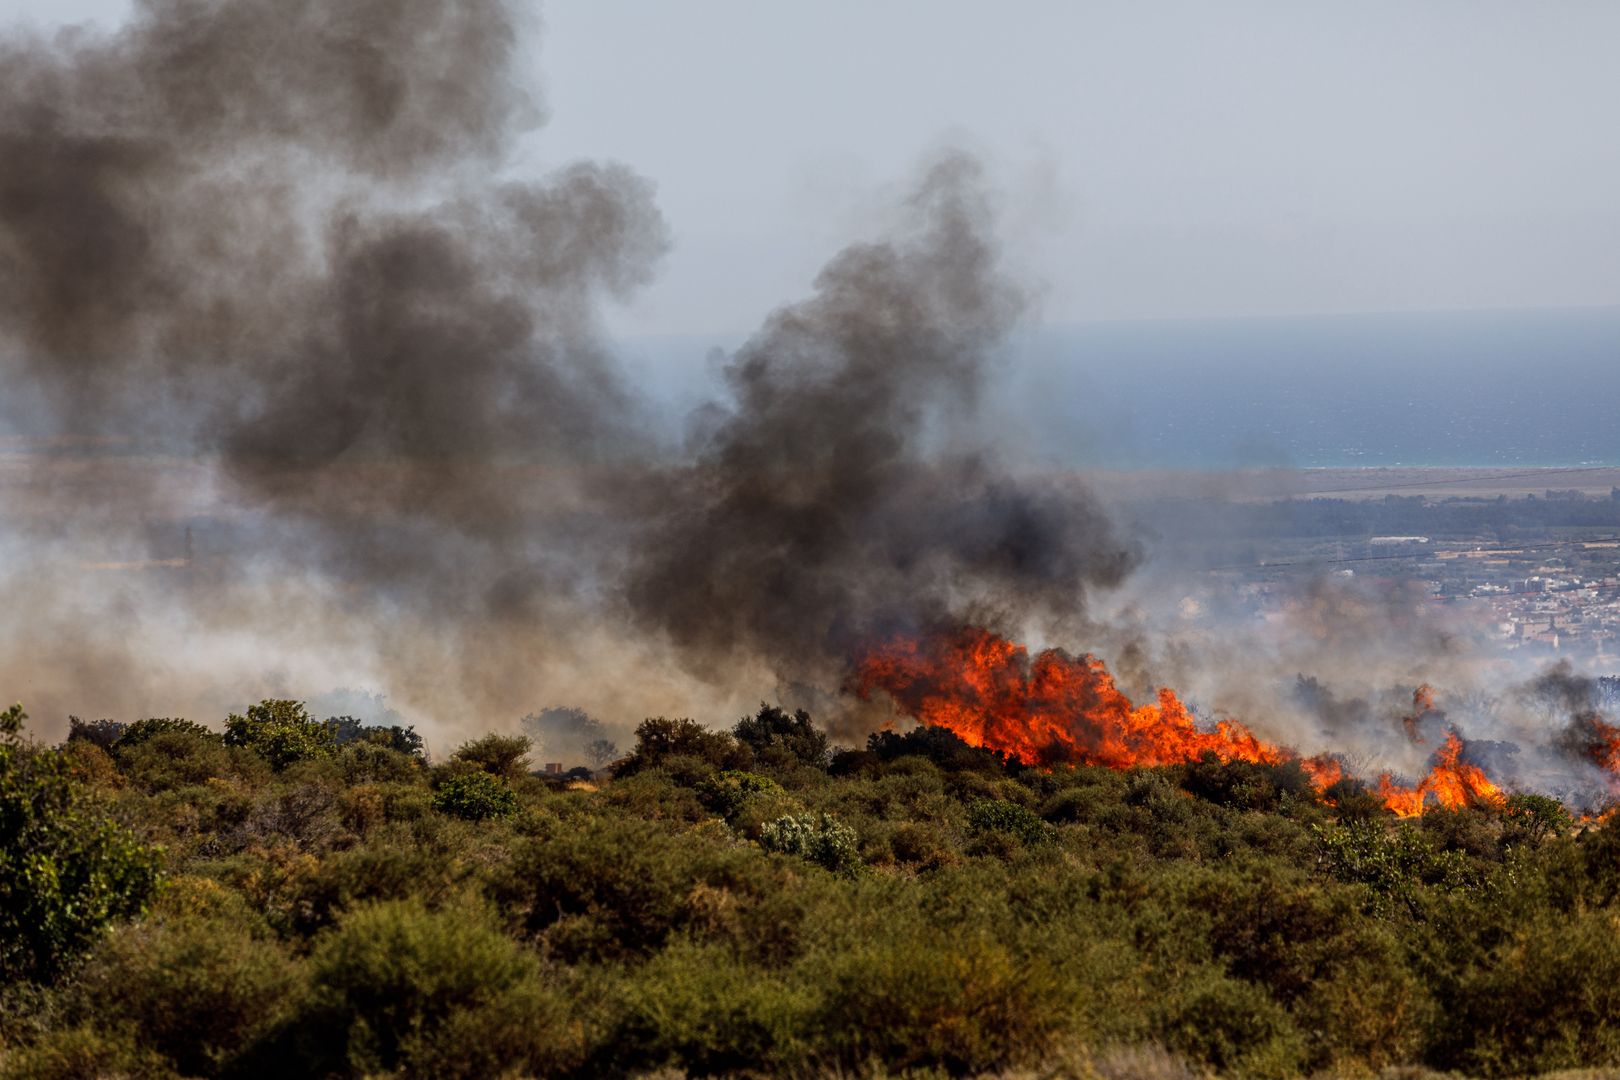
(1157, 159)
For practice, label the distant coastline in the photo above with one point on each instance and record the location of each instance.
(1361, 482)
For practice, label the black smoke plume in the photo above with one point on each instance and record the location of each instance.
(829, 503)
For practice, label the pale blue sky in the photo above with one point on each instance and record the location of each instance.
(1158, 160)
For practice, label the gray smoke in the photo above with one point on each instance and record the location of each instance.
(829, 504)
(276, 233)
(268, 253)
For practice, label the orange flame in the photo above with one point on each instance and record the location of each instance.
(1599, 741)
(1452, 782)
(1057, 709)
(1052, 709)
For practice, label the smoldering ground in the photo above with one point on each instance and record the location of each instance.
(276, 255)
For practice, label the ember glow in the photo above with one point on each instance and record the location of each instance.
(1058, 709)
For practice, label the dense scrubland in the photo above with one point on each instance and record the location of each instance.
(303, 897)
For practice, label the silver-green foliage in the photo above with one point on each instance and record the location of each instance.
(820, 838)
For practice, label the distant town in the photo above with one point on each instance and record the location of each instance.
(1538, 572)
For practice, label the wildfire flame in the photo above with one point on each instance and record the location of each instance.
(1596, 740)
(1452, 782)
(1052, 709)
(1055, 709)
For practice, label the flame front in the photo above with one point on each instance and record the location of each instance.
(1052, 709)
(1057, 709)
(1452, 782)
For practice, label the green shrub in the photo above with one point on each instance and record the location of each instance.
(616, 888)
(1398, 866)
(705, 1010)
(1352, 800)
(656, 795)
(66, 871)
(506, 756)
(921, 844)
(998, 816)
(90, 765)
(658, 739)
(144, 730)
(1232, 1026)
(1245, 785)
(1546, 998)
(282, 732)
(393, 863)
(430, 993)
(726, 792)
(820, 838)
(347, 731)
(100, 1050)
(1475, 831)
(1537, 816)
(475, 796)
(103, 733)
(364, 762)
(198, 991)
(940, 745)
(779, 738)
(950, 998)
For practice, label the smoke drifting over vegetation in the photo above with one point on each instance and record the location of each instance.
(281, 241)
(277, 235)
(281, 251)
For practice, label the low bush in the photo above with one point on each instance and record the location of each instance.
(659, 739)
(359, 912)
(1245, 785)
(779, 738)
(997, 816)
(200, 992)
(66, 870)
(505, 756)
(282, 732)
(400, 988)
(820, 838)
(726, 792)
(475, 796)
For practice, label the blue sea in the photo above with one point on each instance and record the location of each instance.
(1488, 388)
(1520, 388)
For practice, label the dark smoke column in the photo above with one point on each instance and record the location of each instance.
(276, 234)
(832, 500)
